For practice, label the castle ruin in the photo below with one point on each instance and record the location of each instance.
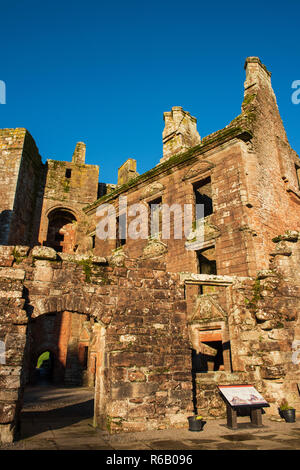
(154, 325)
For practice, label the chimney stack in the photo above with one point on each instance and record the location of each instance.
(180, 132)
(79, 153)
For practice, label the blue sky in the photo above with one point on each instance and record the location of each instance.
(104, 72)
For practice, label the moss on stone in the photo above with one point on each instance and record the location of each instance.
(211, 141)
(248, 99)
(18, 258)
(87, 268)
(257, 289)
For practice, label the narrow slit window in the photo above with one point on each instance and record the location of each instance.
(120, 235)
(68, 173)
(155, 219)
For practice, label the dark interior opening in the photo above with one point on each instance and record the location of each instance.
(57, 220)
(203, 198)
(205, 362)
(68, 173)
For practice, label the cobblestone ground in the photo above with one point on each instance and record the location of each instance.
(56, 418)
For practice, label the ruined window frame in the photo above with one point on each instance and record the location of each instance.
(222, 328)
(196, 184)
(150, 202)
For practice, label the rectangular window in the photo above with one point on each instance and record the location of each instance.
(155, 219)
(206, 261)
(68, 173)
(214, 354)
(203, 198)
(206, 265)
(120, 236)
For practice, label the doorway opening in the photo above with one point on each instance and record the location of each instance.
(60, 235)
(44, 367)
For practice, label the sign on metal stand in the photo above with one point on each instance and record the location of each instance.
(240, 398)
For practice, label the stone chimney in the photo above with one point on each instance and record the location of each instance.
(127, 171)
(180, 132)
(79, 154)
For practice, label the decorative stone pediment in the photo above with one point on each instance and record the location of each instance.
(153, 188)
(198, 169)
(85, 334)
(207, 309)
(154, 249)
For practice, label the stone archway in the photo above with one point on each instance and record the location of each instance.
(17, 346)
(60, 231)
(83, 306)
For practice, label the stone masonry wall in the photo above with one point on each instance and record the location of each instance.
(254, 188)
(264, 334)
(20, 177)
(141, 342)
(143, 369)
(71, 192)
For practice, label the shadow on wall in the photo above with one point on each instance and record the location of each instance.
(5, 220)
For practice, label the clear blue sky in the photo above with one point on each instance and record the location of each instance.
(104, 72)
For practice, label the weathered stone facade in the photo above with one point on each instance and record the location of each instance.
(155, 324)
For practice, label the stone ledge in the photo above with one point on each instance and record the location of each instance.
(77, 258)
(44, 252)
(211, 279)
(11, 273)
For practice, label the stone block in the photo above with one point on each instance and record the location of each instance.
(44, 252)
(7, 413)
(272, 372)
(11, 273)
(7, 433)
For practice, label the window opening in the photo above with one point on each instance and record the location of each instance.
(203, 198)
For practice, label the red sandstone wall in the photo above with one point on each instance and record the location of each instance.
(141, 343)
(255, 190)
(230, 215)
(20, 178)
(68, 193)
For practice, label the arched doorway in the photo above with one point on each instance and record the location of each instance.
(70, 340)
(61, 234)
(76, 362)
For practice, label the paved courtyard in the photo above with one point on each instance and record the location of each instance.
(56, 418)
